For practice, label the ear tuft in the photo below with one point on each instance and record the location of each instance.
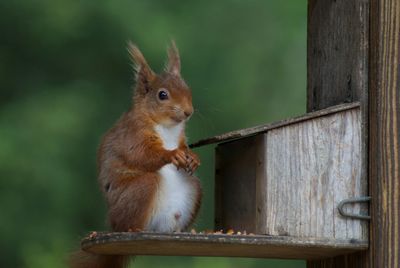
(174, 62)
(143, 71)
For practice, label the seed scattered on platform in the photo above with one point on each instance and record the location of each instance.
(93, 234)
(230, 232)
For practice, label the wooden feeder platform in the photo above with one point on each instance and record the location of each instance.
(221, 245)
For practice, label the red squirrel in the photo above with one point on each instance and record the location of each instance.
(145, 166)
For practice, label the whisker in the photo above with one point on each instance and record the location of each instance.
(206, 124)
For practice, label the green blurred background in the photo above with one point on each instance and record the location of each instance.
(66, 77)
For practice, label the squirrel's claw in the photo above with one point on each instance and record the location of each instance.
(193, 162)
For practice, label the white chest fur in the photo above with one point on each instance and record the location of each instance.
(175, 198)
(170, 135)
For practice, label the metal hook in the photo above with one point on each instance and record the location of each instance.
(362, 199)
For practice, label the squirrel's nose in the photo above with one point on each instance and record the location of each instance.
(187, 113)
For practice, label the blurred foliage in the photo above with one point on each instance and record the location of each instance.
(66, 77)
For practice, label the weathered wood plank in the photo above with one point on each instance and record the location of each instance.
(337, 52)
(186, 244)
(310, 168)
(247, 132)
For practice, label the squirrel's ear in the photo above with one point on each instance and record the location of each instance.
(174, 62)
(144, 74)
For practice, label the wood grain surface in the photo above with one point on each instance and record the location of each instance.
(222, 245)
(311, 167)
(337, 52)
(384, 107)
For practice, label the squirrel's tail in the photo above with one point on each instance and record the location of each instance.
(82, 259)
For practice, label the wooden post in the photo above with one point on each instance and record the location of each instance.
(344, 24)
(384, 120)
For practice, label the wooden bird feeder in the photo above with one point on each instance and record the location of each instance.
(302, 185)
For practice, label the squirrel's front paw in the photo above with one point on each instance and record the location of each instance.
(193, 161)
(178, 158)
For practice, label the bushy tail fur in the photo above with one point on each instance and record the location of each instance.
(82, 259)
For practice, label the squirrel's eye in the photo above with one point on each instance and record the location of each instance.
(162, 95)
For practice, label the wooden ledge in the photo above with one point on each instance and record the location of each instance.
(221, 245)
(242, 133)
